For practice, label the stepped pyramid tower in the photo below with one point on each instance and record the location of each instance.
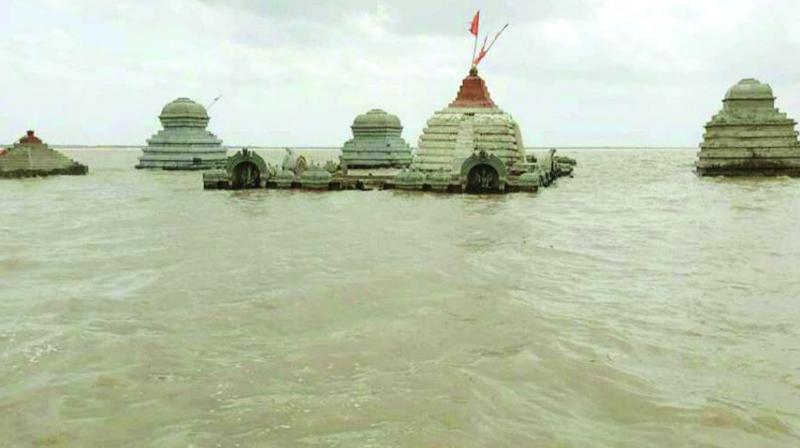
(472, 123)
(376, 143)
(749, 136)
(184, 143)
(31, 157)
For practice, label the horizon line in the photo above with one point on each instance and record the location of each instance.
(322, 147)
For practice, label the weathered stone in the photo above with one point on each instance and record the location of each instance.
(284, 179)
(184, 143)
(484, 173)
(472, 123)
(749, 136)
(528, 182)
(216, 179)
(409, 180)
(247, 169)
(294, 162)
(30, 157)
(315, 178)
(377, 143)
(441, 180)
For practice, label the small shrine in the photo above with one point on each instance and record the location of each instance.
(30, 157)
(749, 136)
(184, 143)
(376, 143)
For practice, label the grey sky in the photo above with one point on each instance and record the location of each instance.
(572, 72)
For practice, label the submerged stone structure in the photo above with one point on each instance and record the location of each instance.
(377, 143)
(749, 136)
(184, 143)
(470, 147)
(31, 157)
(470, 124)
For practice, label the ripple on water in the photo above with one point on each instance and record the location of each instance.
(644, 308)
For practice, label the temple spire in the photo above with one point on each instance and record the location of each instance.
(473, 92)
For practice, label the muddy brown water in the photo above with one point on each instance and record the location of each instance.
(633, 305)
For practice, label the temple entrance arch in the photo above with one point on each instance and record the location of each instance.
(483, 173)
(247, 169)
(483, 179)
(246, 175)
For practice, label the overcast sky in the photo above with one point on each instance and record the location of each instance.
(296, 72)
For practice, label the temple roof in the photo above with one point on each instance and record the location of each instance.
(750, 89)
(473, 92)
(377, 118)
(182, 108)
(30, 138)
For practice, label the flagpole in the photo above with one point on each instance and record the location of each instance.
(496, 37)
(474, 52)
(213, 102)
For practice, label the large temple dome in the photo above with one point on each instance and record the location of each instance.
(184, 107)
(377, 118)
(750, 89)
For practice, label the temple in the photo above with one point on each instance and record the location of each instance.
(31, 157)
(471, 123)
(376, 143)
(184, 143)
(749, 136)
(469, 147)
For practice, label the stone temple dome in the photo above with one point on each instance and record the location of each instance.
(377, 118)
(377, 143)
(472, 123)
(749, 136)
(750, 89)
(184, 143)
(184, 107)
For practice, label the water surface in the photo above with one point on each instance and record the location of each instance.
(634, 305)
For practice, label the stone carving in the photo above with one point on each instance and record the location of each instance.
(749, 136)
(184, 143)
(294, 162)
(30, 157)
(484, 173)
(331, 166)
(376, 143)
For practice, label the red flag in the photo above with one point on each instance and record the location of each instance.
(480, 57)
(475, 24)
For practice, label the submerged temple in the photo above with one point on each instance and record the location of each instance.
(472, 123)
(184, 143)
(376, 143)
(749, 136)
(31, 157)
(469, 147)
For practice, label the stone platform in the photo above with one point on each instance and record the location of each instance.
(481, 173)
